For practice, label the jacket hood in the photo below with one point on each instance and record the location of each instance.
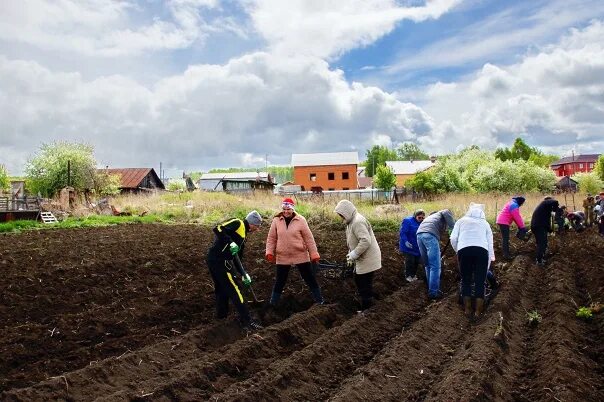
(346, 209)
(519, 200)
(476, 211)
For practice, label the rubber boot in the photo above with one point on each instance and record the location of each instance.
(479, 309)
(467, 307)
(275, 298)
(316, 295)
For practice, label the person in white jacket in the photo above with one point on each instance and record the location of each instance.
(472, 240)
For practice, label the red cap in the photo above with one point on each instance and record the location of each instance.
(289, 201)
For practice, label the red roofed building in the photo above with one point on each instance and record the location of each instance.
(572, 165)
(136, 179)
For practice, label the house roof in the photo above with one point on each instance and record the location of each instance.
(132, 177)
(365, 182)
(577, 158)
(409, 167)
(325, 159)
(244, 176)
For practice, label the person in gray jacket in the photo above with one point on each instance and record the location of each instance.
(428, 240)
(364, 252)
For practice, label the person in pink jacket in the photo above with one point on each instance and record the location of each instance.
(290, 243)
(511, 213)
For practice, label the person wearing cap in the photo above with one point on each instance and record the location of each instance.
(230, 237)
(290, 243)
(588, 205)
(407, 243)
(364, 254)
(508, 214)
(472, 240)
(577, 220)
(428, 240)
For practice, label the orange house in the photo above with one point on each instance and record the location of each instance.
(326, 171)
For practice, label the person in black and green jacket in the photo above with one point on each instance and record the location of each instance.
(230, 241)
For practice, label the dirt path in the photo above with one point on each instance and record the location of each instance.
(126, 313)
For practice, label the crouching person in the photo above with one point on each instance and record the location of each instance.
(407, 244)
(472, 240)
(229, 242)
(364, 252)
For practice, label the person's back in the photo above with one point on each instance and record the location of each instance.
(542, 215)
(437, 223)
(472, 230)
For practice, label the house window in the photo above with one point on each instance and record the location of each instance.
(591, 165)
(346, 188)
(580, 166)
(313, 177)
(331, 176)
(344, 175)
(330, 189)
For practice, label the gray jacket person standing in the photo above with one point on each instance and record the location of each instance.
(364, 251)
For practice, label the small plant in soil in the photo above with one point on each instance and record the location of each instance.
(533, 318)
(585, 313)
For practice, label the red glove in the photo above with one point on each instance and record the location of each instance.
(270, 258)
(315, 260)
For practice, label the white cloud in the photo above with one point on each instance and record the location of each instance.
(103, 27)
(211, 115)
(553, 97)
(501, 35)
(328, 28)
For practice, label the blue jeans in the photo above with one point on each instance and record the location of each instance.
(429, 248)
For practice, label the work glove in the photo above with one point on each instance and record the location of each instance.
(351, 258)
(247, 281)
(270, 258)
(233, 248)
(409, 245)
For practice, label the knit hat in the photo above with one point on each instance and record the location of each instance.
(254, 218)
(288, 203)
(519, 200)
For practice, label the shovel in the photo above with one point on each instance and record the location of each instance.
(241, 270)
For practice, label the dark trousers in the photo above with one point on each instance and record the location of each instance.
(227, 288)
(505, 239)
(411, 263)
(364, 284)
(473, 266)
(306, 273)
(541, 239)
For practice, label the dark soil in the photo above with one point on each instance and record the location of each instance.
(127, 313)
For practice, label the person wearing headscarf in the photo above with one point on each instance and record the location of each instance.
(408, 243)
(508, 214)
(472, 240)
(364, 251)
(289, 244)
(428, 240)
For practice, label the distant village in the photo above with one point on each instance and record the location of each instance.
(316, 173)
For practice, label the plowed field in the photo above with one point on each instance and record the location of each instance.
(127, 313)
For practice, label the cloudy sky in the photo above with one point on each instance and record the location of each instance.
(197, 84)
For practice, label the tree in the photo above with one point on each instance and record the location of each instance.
(588, 182)
(520, 150)
(377, 156)
(384, 178)
(599, 167)
(177, 185)
(409, 151)
(48, 170)
(4, 181)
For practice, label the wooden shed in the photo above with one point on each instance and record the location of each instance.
(136, 180)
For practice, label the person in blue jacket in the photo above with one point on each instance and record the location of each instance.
(408, 243)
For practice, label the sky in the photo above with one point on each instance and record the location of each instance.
(201, 84)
